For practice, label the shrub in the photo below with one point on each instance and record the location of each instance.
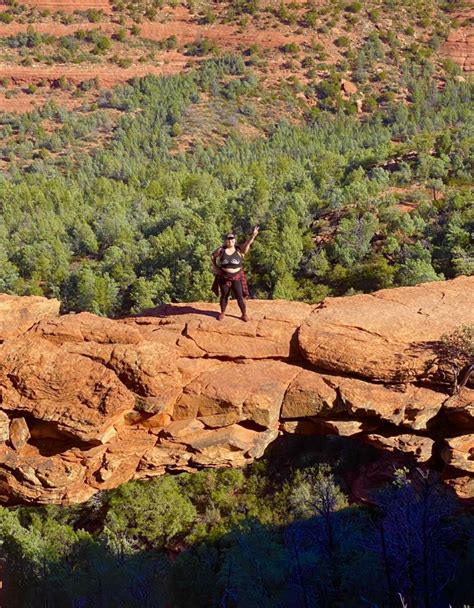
(176, 129)
(122, 62)
(311, 18)
(6, 17)
(205, 46)
(457, 349)
(342, 41)
(290, 47)
(209, 17)
(169, 43)
(121, 35)
(354, 7)
(94, 15)
(102, 45)
(374, 15)
(369, 104)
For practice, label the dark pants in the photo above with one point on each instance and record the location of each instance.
(236, 288)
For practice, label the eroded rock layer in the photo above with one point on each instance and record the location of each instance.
(459, 45)
(87, 403)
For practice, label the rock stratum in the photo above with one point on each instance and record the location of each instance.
(87, 403)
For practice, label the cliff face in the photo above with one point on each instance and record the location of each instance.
(88, 403)
(460, 42)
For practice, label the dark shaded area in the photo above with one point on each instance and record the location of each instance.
(169, 310)
(280, 533)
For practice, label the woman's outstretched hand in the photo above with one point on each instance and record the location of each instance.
(255, 230)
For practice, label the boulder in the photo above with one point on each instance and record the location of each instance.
(459, 452)
(421, 447)
(460, 409)
(230, 393)
(81, 397)
(19, 433)
(310, 394)
(411, 406)
(389, 336)
(19, 313)
(348, 87)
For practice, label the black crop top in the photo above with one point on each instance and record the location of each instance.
(233, 260)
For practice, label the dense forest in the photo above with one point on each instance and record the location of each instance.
(280, 534)
(346, 202)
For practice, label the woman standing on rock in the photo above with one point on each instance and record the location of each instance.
(227, 261)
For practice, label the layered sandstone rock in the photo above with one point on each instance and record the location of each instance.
(459, 45)
(18, 314)
(94, 402)
(388, 336)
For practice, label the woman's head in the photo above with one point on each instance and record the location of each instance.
(229, 239)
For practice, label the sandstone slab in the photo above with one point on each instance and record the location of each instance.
(230, 393)
(459, 45)
(459, 452)
(18, 314)
(388, 336)
(412, 406)
(81, 397)
(420, 447)
(86, 327)
(269, 333)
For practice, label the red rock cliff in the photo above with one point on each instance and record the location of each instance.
(87, 403)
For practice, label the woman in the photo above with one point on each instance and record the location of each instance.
(228, 267)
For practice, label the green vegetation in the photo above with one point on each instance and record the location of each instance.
(271, 534)
(457, 350)
(346, 203)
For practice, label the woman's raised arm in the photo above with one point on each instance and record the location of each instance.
(246, 246)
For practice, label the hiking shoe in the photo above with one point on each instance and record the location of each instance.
(245, 317)
(220, 316)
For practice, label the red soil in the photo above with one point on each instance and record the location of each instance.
(180, 22)
(68, 6)
(21, 75)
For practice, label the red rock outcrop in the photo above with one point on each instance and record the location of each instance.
(87, 403)
(18, 314)
(459, 45)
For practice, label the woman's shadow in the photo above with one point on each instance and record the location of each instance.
(169, 310)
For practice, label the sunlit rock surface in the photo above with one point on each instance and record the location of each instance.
(87, 403)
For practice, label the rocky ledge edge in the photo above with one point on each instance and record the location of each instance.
(88, 403)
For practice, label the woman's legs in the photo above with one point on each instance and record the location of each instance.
(238, 292)
(225, 292)
(239, 295)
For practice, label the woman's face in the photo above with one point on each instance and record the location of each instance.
(229, 240)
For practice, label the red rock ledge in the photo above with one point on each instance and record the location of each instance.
(87, 403)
